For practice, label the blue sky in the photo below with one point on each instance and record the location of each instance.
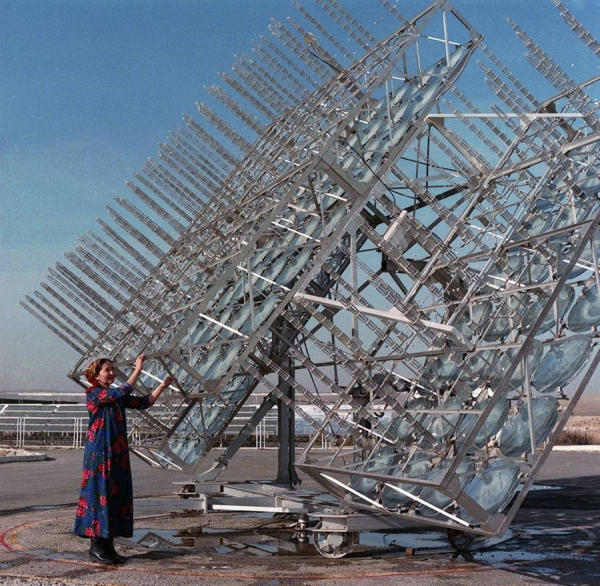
(88, 88)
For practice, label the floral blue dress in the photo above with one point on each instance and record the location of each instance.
(105, 507)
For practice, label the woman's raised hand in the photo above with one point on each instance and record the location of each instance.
(139, 361)
(168, 381)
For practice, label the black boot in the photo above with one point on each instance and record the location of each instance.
(99, 552)
(110, 548)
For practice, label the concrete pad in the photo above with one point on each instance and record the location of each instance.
(554, 539)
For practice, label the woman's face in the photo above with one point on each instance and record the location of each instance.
(106, 376)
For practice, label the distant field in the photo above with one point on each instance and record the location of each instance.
(584, 425)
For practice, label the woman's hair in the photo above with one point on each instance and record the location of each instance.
(94, 368)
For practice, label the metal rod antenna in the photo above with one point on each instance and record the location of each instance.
(187, 149)
(342, 18)
(78, 296)
(258, 104)
(578, 28)
(191, 175)
(249, 119)
(205, 215)
(144, 219)
(215, 198)
(166, 195)
(287, 96)
(224, 128)
(291, 65)
(135, 233)
(301, 51)
(80, 316)
(219, 164)
(68, 340)
(514, 80)
(393, 10)
(73, 332)
(187, 170)
(557, 77)
(182, 193)
(517, 104)
(323, 30)
(275, 65)
(80, 285)
(126, 246)
(156, 208)
(269, 94)
(117, 262)
(207, 138)
(68, 320)
(83, 264)
(498, 132)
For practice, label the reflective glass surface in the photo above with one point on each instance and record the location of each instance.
(418, 467)
(381, 462)
(505, 360)
(491, 425)
(586, 312)
(506, 317)
(464, 472)
(515, 438)
(472, 320)
(441, 425)
(562, 361)
(400, 429)
(493, 487)
(560, 307)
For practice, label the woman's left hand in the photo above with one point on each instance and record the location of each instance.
(168, 381)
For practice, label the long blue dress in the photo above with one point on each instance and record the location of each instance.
(105, 507)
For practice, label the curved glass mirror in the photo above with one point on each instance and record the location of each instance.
(464, 472)
(442, 424)
(515, 438)
(490, 427)
(563, 360)
(505, 361)
(506, 317)
(418, 467)
(472, 320)
(586, 312)
(380, 462)
(440, 369)
(559, 308)
(493, 487)
(400, 429)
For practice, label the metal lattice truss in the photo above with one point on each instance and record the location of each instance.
(373, 232)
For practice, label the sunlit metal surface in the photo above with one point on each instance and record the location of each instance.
(394, 219)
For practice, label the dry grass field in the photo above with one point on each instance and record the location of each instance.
(584, 425)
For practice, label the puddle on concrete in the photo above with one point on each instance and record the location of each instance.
(222, 541)
(286, 542)
(537, 550)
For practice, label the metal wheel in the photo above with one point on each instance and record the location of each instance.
(460, 540)
(333, 545)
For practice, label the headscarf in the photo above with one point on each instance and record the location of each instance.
(91, 372)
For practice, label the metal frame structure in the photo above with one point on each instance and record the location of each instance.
(375, 233)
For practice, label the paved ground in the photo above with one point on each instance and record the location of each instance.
(555, 538)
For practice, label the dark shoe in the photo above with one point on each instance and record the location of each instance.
(99, 552)
(110, 548)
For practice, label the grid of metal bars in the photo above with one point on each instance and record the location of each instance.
(369, 228)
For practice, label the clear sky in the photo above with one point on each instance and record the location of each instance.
(88, 88)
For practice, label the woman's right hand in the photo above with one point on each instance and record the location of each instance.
(139, 361)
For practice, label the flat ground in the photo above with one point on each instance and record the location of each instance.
(555, 538)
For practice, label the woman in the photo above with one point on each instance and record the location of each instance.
(105, 508)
